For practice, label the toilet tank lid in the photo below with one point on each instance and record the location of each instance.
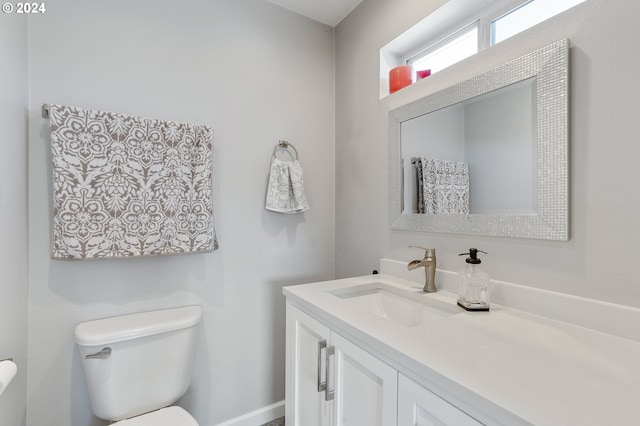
(133, 326)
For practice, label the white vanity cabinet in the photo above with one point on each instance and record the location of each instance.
(331, 381)
(402, 357)
(306, 370)
(365, 387)
(418, 406)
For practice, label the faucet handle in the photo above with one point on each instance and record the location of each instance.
(428, 252)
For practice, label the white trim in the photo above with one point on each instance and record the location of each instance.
(258, 417)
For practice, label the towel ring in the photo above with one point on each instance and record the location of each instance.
(285, 145)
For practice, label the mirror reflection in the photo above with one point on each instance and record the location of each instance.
(478, 156)
(489, 155)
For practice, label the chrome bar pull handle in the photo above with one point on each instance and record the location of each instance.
(329, 394)
(103, 354)
(322, 344)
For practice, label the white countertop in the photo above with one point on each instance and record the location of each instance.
(516, 367)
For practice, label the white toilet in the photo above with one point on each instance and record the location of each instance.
(137, 365)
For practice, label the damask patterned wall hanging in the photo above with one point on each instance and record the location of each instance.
(128, 186)
(443, 187)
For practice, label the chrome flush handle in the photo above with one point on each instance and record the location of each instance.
(103, 354)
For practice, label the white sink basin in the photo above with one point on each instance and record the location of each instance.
(410, 307)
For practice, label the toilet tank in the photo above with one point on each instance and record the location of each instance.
(150, 361)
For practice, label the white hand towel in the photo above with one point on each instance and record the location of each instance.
(8, 370)
(285, 192)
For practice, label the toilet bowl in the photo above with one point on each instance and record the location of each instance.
(137, 365)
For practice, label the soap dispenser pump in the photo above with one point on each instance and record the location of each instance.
(473, 284)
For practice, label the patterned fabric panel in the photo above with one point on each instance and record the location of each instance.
(445, 186)
(127, 186)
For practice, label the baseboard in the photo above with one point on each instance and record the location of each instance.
(257, 417)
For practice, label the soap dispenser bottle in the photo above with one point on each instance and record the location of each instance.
(473, 284)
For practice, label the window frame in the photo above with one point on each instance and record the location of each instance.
(503, 12)
(410, 60)
(483, 22)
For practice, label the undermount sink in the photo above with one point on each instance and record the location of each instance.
(410, 307)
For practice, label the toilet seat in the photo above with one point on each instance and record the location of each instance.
(169, 416)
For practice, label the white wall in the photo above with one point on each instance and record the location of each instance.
(254, 72)
(13, 213)
(599, 260)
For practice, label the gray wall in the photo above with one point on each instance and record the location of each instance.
(598, 261)
(254, 72)
(500, 146)
(13, 213)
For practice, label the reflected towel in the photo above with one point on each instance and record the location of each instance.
(419, 184)
(445, 186)
(128, 186)
(285, 191)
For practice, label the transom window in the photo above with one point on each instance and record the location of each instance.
(526, 16)
(498, 21)
(448, 51)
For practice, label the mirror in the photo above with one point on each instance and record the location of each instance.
(492, 136)
(488, 156)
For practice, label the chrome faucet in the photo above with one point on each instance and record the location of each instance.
(429, 264)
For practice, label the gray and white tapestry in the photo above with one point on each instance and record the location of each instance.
(128, 186)
(445, 186)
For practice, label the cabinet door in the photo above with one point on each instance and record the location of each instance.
(306, 344)
(365, 387)
(417, 406)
